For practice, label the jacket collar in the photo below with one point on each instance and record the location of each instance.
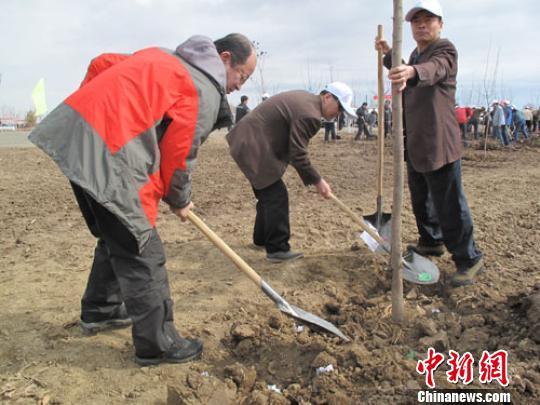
(201, 52)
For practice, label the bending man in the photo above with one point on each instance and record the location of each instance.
(270, 137)
(126, 139)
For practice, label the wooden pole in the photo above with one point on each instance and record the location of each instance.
(397, 133)
(380, 135)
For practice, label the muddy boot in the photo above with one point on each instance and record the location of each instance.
(428, 250)
(279, 257)
(466, 276)
(181, 351)
(92, 325)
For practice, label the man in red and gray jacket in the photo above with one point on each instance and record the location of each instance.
(126, 139)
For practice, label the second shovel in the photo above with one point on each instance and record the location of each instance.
(380, 220)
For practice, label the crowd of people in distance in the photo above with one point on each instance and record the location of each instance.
(502, 121)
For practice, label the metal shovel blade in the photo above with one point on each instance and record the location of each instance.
(416, 268)
(300, 314)
(283, 305)
(383, 224)
(419, 270)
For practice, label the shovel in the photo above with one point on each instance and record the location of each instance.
(416, 268)
(380, 220)
(283, 305)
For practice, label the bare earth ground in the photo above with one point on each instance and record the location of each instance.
(46, 251)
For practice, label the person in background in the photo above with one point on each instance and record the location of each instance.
(498, 123)
(329, 130)
(387, 118)
(508, 120)
(462, 119)
(474, 120)
(362, 122)
(372, 119)
(528, 115)
(242, 109)
(519, 124)
(536, 120)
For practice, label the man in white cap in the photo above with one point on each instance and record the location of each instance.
(433, 143)
(265, 142)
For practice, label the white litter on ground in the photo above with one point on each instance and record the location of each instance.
(323, 370)
(274, 388)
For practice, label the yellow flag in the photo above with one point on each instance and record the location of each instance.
(38, 96)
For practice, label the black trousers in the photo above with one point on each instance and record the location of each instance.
(272, 229)
(120, 273)
(362, 127)
(330, 131)
(387, 128)
(442, 213)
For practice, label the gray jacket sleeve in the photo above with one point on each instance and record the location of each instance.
(179, 194)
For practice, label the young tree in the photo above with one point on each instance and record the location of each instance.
(258, 78)
(398, 311)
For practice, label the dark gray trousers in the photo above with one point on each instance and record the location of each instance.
(120, 273)
(442, 213)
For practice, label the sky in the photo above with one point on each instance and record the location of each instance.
(307, 43)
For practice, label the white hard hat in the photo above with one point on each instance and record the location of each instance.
(344, 95)
(433, 6)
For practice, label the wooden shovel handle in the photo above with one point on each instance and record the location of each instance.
(358, 220)
(227, 251)
(380, 155)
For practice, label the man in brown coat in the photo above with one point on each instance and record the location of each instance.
(433, 143)
(270, 137)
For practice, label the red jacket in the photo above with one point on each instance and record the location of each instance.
(461, 115)
(130, 135)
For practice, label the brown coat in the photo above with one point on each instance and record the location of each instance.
(274, 134)
(432, 132)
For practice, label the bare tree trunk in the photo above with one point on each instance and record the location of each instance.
(397, 131)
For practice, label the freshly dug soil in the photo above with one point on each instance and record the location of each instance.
(253, 353)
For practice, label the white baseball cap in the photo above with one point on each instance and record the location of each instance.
(433, 6)
(344, 94)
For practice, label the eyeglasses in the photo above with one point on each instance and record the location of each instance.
(242, 74)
